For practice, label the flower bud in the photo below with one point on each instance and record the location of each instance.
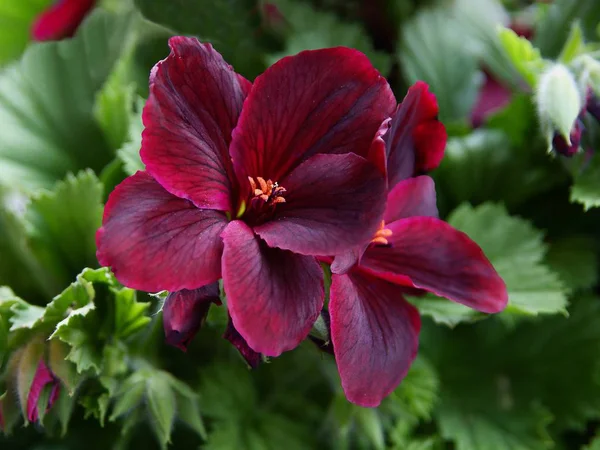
(43, 377)
(560, 144)
(558, 102)
(231, 334)
(185, 311)
(593, 106)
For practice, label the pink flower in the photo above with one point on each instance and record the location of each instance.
(249, 182)
(61, 20)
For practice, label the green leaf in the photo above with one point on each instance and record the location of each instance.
(64, 223)
(16, 19)
(130, 315)
(369, 422)
(427, 41)
(418, 392)
(45, 136)
(161, 404)
(575, 260)
(501, 387)
(523, 55)
(114, 103)
(129, 153)
(586, 186)
(76, 331)
(574, 46)
(230, 25)
(313, 29)
(552, 31)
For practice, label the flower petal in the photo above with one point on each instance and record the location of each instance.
(410, 198)
(440, 259)
(375, 334)
(194, 104)
(154, 241)
(184, 313)
(318, 101)
(333, 202)
(231, 334)
(416, 140)
(43, 376)
(274, 296)
(61, 19)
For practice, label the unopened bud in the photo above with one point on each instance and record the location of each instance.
(43, 378)
(558, 102)
(185, 311)
(560, 145)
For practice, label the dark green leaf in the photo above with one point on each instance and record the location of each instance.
(575, 260)
(586, 187)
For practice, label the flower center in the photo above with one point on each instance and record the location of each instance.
(381, 235)
(264, 197)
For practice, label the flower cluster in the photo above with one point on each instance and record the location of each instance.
(259, 184)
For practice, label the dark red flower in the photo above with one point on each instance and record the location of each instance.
(42, 378)
(373, 329)
(250, 193)
(61, 19)
(185, 311)
(560, 144)
(492, 97)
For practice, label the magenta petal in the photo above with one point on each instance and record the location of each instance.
(184, 313)
(440, 259)
(318, 101)
(411, 197)
(416, 140)
(43, 377)
(333, 202)
(194, 104)
(273, 296)
(231, 334)
(154, 241)
(375, 335)
(61, 19)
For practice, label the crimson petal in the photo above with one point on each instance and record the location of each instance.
(318, 101)
(416, 140)
(155, 241)
(440, 259)
(184, 313)
(61, 19)
(194, 104)
(332, 203)
(375, 335)
(231, 334)
(274, 296)
(411, 197)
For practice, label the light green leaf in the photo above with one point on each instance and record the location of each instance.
(64, 223)
(586, 186)
(523, 55)
(230, 25)
(574, 46)
(129, 153)
(47, 100)
(552, 30)
(75, 331)
(369, 424)
(16, 19)
(130, 315)
(427, 41)
(313, 29)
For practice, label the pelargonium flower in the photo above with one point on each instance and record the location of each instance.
(249, 182)
(374, 330)
(42, 378)
(61, 20)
